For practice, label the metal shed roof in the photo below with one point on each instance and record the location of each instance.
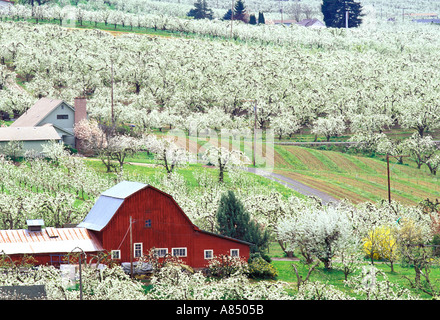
(108, 203)
(49, 240)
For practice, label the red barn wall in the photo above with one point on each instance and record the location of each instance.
(170, 228)
(219, 245)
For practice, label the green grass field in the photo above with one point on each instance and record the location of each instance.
(336, 277)
(143, 164)
(356, 178)
(338, 172)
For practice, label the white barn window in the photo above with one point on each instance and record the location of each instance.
(138, 250)
(116, 254)
(179, 252)
(161, 252)
(209, 254)
(235, 253)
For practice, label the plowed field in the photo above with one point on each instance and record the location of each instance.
(355, 178)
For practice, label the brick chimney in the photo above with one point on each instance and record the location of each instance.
(80, 109)
(80, 106)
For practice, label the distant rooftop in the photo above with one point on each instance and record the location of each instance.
(426, 20)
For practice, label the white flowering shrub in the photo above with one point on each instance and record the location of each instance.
(97, 284)
(320, 291)
(320, 233)
(368, 285)
(174, 283)
(224, 266)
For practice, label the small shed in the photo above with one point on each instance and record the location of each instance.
(47, 245)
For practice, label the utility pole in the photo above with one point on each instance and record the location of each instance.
(112, 105)
(232, 16)
(131, 248)
(254, 143)
(255, 133)
(346, 19)
(281, 10)
(388, 174)
(403, 13)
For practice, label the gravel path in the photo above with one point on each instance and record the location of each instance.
(294, 184)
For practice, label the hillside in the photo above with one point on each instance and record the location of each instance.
(356, 178)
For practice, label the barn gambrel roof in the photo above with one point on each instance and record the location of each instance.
(108, 203)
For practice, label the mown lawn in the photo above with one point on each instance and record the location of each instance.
(144, 165)
(336, 277)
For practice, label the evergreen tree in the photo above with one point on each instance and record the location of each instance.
(240, 11)
(334, 12)
(261, 19)
(252, 19)
(235, 222)
(228, 15)
(201, 10)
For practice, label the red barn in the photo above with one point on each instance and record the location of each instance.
(157, 222)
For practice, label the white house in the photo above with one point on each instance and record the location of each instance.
(57, 113)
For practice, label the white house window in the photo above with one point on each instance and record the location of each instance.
(161, 252)
(138, 250)
(179, 252)
(116, 254)
(235, 253)
(209, 254)
(62, 116)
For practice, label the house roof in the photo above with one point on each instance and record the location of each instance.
(46, 132)
(36, 113)
(310, 22)
(285, 21)
(108, 203)
(426, 20)
(48, 240)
